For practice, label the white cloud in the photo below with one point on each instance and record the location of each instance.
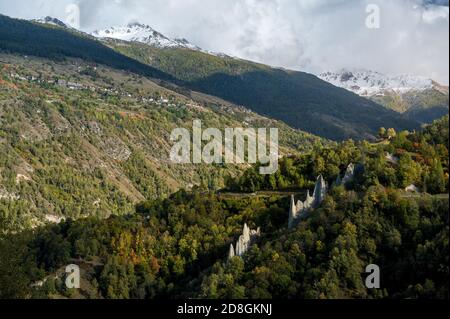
(309, 35)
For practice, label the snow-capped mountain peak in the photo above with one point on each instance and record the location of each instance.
(370, 83)
(51, 21)
(138, 32)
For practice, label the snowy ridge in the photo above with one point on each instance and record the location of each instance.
(51, 21)
(370, 83)
(137, 32)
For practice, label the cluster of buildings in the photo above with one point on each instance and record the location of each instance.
(71, 85)
(63, 83)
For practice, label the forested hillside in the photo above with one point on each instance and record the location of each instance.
(24, 37)
(299, 99)
(86, 179)
(420, 159)
(78, 139)
(422, 106)
(177, 248)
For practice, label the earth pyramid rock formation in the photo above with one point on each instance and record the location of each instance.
(244, 242)
(297, 211)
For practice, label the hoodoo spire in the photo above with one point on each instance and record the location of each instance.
(231, 253)
(292, 212)
(296, 212)
(244, 242)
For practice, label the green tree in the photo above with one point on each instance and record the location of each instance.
(391, 133)
(436, 178)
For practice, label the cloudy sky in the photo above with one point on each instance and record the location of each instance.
(307, 35)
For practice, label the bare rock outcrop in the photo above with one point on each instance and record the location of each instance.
(299, 210)
(412, 189)
(244, 242)
(349, 174)
(5, 195)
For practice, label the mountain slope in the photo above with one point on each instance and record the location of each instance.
(51, 21)
(56, 42)
(78, 139)
(299, 99)
(426, 106)
(370, 83)
(177, 248)
(418, 98)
